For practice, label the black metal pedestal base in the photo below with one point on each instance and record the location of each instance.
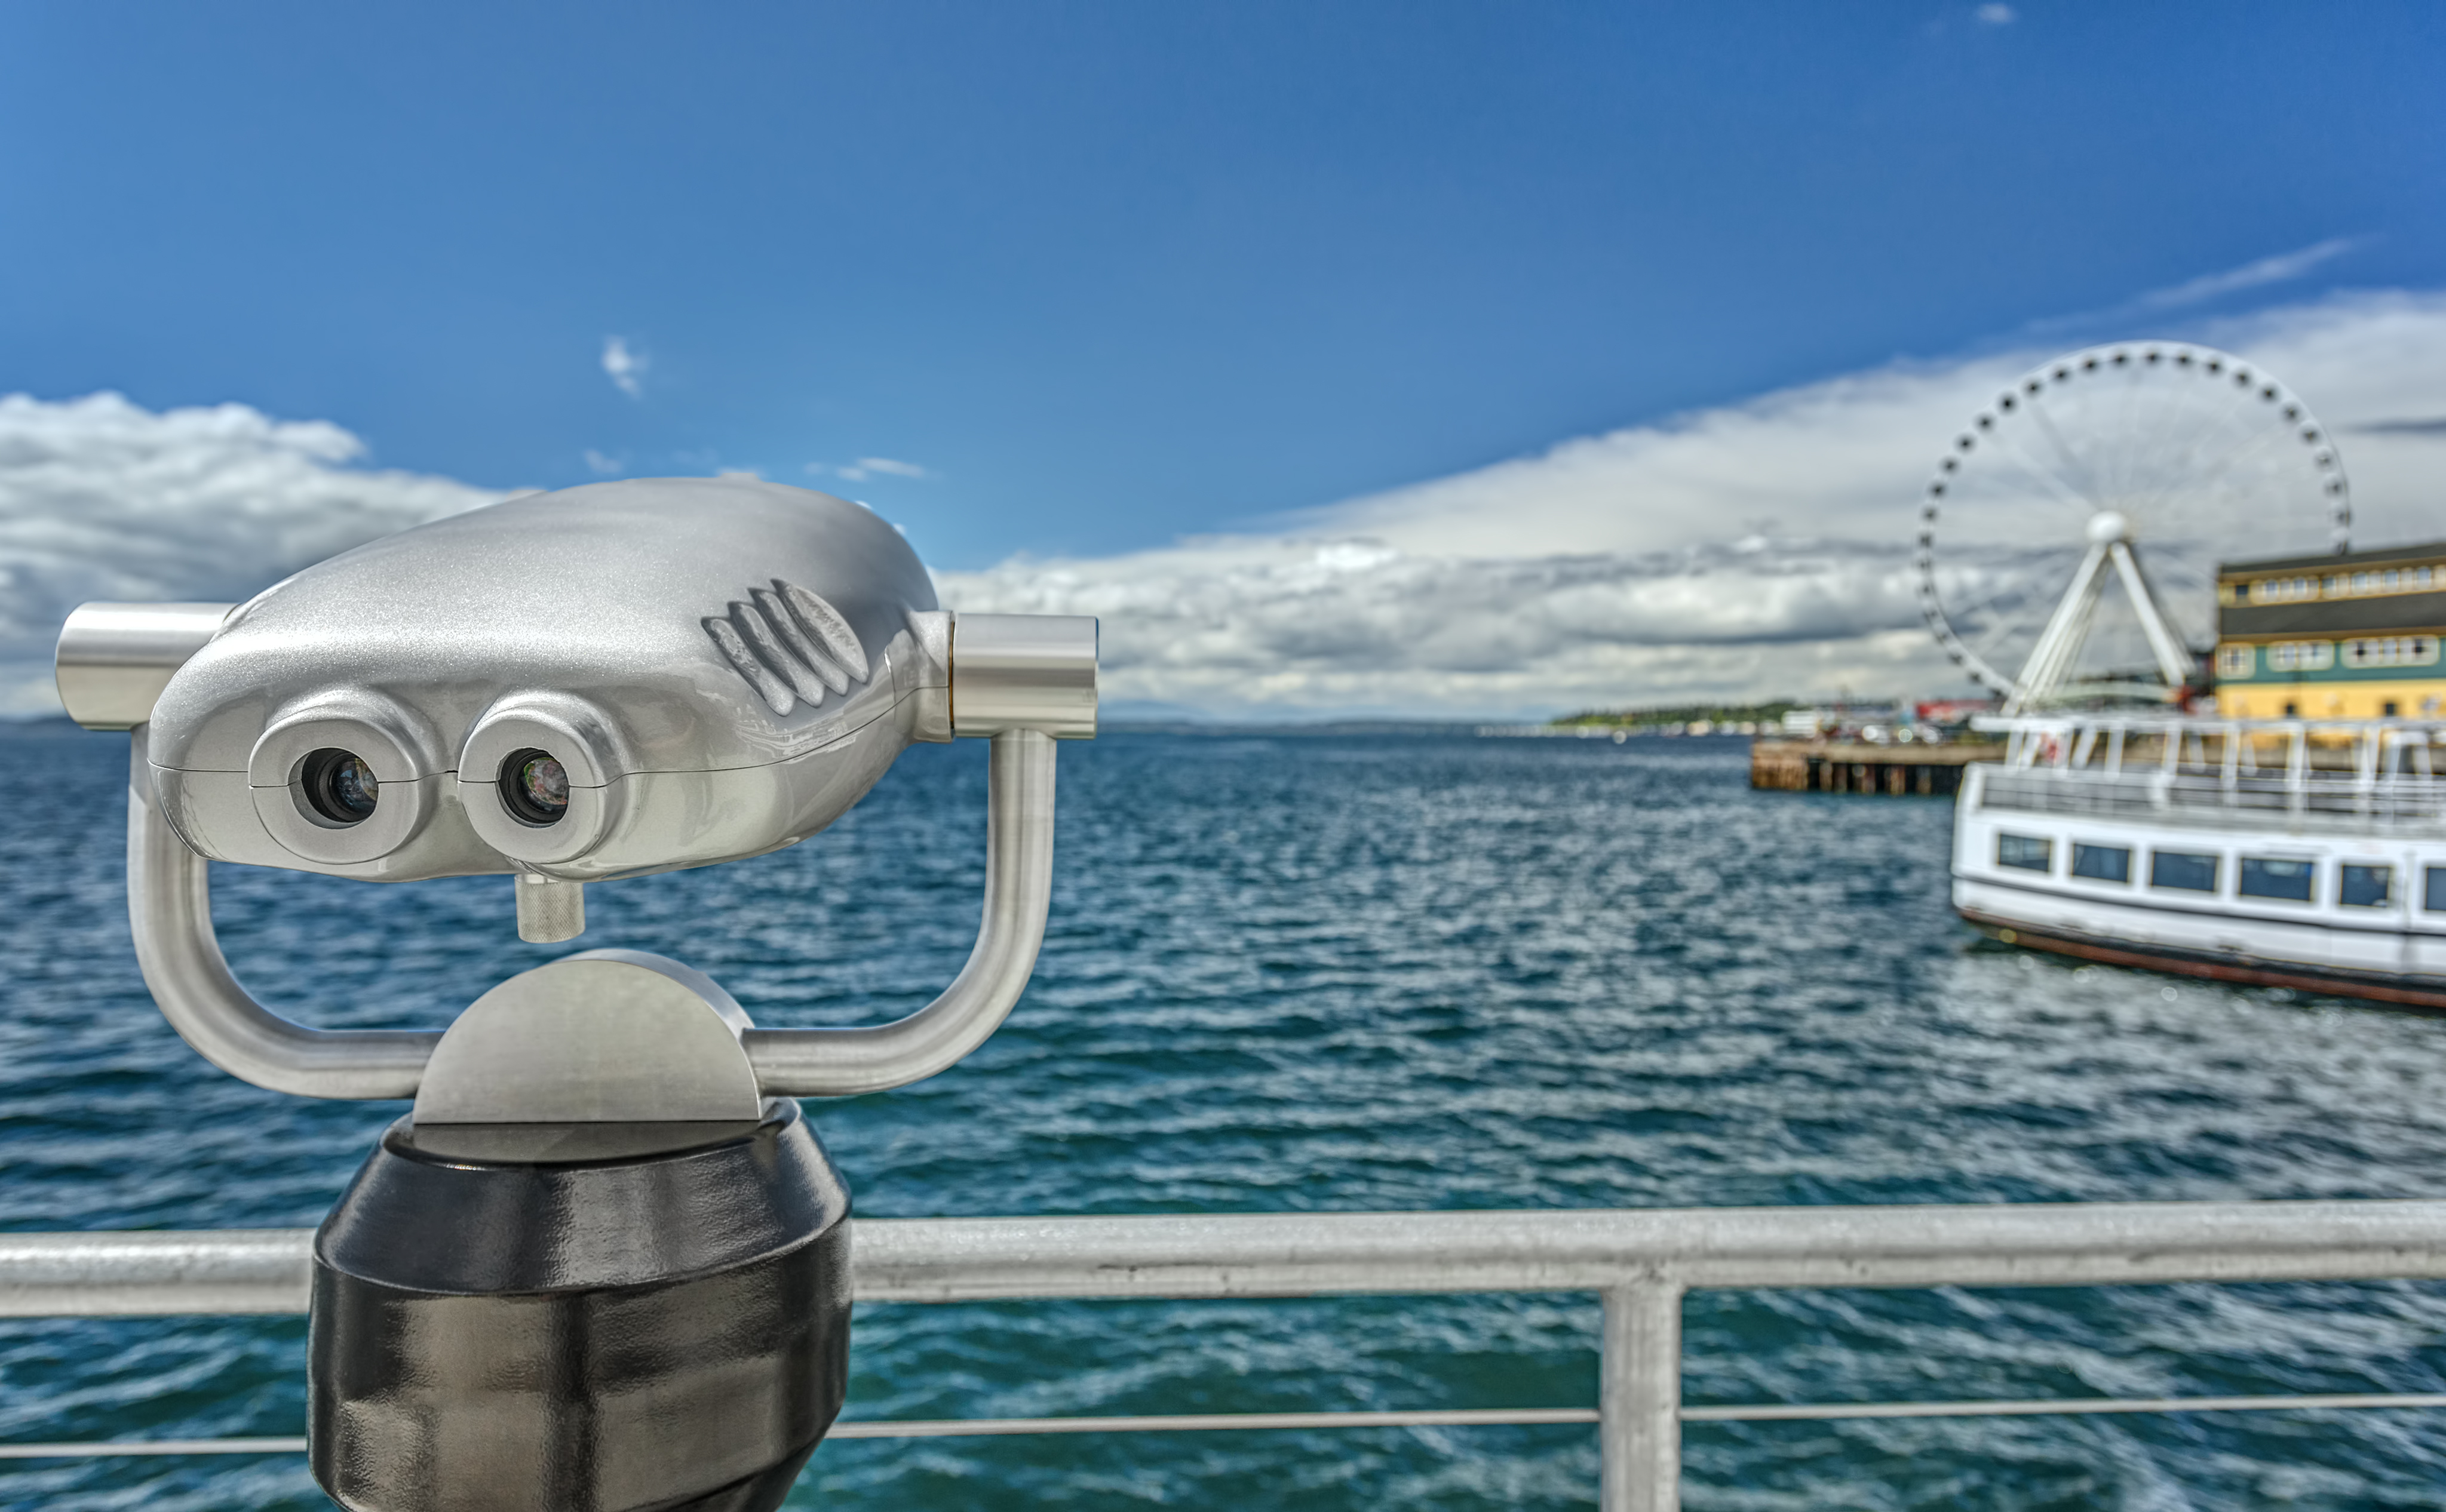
(574, 1320)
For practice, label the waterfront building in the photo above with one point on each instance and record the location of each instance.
(2350, 636)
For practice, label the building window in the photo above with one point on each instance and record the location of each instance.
(2292, 710)
(2183, 872)
(2025, 851)
(2419, 576)
(2391, 651)
(2302, 656)
(2433, 890)
(2366, 887)
(2101, 863)
(2235, 661)
(2336, 586)
(2388, 710)
(2266, 877)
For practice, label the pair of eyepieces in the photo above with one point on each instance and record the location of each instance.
(342, 788)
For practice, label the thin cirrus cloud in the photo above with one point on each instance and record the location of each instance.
(2282, 268)
(2153, 305)
(866, 467)
(1751, 551)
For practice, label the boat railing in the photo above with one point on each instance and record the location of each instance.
(1640, 1263)
(2399, 806)
(2356, 776)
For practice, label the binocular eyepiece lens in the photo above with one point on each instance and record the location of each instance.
(535, 787)
(339, 786)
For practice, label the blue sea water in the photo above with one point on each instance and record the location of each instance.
(1323, 973)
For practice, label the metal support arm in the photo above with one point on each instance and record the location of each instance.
(1019, 890)
(169, 909)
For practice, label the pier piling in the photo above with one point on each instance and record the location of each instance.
(1825, 766)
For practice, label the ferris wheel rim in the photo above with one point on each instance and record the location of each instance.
(2120, 356)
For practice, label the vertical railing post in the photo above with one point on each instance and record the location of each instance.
(1639, 1398)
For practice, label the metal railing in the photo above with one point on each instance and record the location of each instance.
(1641, 1262)
(2393, 808)
(2372, 777)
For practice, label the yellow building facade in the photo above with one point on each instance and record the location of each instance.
(2350, 636)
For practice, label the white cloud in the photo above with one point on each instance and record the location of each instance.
(626, 369)
(100, 499)
(1996, 15)
(1751, 551)
(601, 465)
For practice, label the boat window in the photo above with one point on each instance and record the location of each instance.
(2433, 890)
(2266, 877)
(2366, 887)
(2176, 869)
(2025, 851)
(2103, 863)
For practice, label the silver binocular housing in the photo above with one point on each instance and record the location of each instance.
(602, 682)
(611, 681)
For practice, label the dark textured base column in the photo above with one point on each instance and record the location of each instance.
(655, 1331)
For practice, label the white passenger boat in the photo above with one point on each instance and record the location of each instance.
(2289, 853)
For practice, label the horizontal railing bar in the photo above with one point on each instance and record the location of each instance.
(1314, 1254)
(1459, 1417)
(1209, 1422)
(958, 1260)
(140, 1273)
(101, 1449)
(2049, 1407)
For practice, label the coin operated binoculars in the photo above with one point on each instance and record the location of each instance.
(603, 1264)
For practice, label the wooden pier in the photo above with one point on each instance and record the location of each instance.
(1825, 766)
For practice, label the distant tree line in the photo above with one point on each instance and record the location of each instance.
(1684, 713)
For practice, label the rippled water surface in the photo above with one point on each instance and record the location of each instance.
(1327, 974)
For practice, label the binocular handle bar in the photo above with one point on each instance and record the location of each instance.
(170, 912)
(1019, 891)
(169, 909)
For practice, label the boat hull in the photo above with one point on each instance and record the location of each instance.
(2213, 964)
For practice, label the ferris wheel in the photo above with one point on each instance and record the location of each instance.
(2068, 542)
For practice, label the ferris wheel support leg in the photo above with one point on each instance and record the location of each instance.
(2060, 642)
(2172, 660)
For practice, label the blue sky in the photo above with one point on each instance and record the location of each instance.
(1115, 272)
(1102, 276)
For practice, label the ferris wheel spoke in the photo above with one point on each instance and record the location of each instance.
(2121, 456)
(2051, 478)
(2257, 444)
(2081, 479)
(2195, 459)
(2186, 400)
(2004, 616)
(2017, 632)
